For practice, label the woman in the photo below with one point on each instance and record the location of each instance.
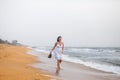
(58, 50)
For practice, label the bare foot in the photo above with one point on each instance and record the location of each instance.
(57, 71)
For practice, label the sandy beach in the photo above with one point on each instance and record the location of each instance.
(14, 64)
(72, 71)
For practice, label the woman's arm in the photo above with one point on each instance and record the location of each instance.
(54, 46)
(62, 47)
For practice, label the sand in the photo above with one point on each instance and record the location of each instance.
(14, 64)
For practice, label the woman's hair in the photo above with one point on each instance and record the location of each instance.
(58, 38)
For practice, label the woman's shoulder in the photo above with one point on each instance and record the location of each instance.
(56, 43)
(62, 42)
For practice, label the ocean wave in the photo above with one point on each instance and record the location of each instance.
(92, 50)
(103, 67)
(105, 59)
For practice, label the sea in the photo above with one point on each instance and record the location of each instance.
(102, 58)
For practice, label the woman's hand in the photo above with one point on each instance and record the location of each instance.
(51, 52)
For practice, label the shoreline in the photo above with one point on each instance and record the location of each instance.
(15, 64)
(80, 71)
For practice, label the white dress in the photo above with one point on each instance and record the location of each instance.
(58, 52)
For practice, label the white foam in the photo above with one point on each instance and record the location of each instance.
(40, 50)
(107, 68)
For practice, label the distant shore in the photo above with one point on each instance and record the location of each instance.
(14, 64)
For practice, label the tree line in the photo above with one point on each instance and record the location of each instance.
(14, 42)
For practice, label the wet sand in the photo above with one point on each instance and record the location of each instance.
(14, 64)
(71, 71)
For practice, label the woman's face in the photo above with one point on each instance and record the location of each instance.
(60, 39)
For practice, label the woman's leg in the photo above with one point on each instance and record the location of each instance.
(60, 61)
(58, 66)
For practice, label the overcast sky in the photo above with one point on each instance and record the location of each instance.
(83, 23)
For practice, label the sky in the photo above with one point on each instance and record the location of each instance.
(81, 23)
